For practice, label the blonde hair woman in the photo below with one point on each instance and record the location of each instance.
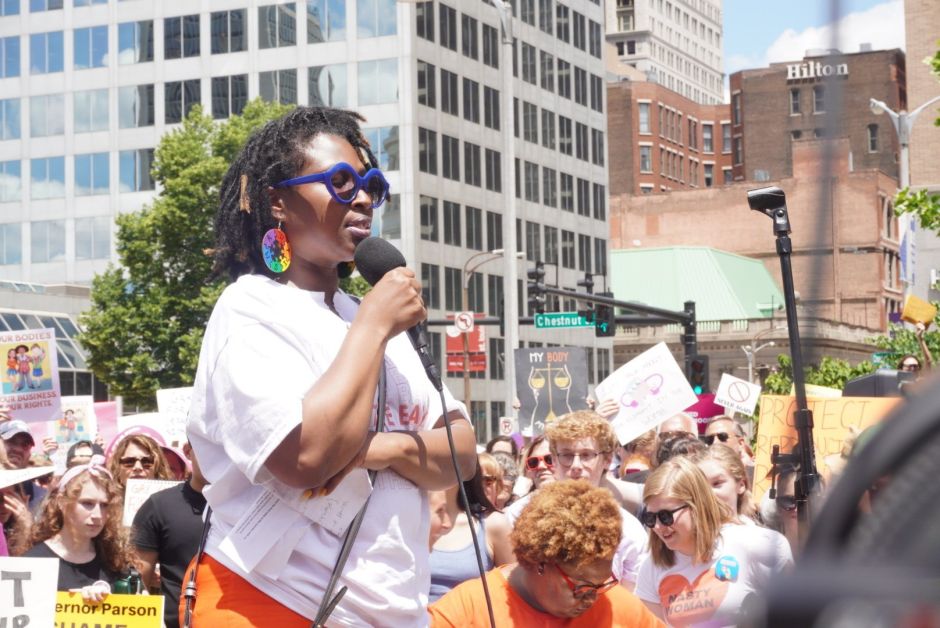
(727, 476)
(703, 565)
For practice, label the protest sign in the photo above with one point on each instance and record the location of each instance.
(30, 384)
(137, 492)
(832, 418)
(9, 477)
(27, 591)
(107, 413)
(117, 610)
(737, 395)
(550, 382)
(648, 389)
(173, 404)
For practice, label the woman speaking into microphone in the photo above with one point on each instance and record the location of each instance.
(284, 402)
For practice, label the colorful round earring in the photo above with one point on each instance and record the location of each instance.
(276, 249)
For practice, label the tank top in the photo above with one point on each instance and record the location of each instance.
(451, 567)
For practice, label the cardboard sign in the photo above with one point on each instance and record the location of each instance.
(30, 384)
(173, 404)
(918, 311)
(27, 591)
(9, 477)
(832, 418)
(137, 492)
(550, 382)
(737, 394)
(649, 389)
(126, 611)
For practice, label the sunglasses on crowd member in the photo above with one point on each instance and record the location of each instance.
(586, 457)
(128, 462)
(343, 183)
(709, 439)
(910, 366)
(666, 517)
(786, 502)
(532, 462)
(581, 591)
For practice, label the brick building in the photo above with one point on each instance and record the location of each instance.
(845, 249)
(922, 25)
(773, 107)
(662, 141)
(922, 29)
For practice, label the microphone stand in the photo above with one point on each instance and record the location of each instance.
(771, 201)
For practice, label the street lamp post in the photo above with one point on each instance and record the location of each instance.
(750, 353)
(468, 271)
(510, 303)
(903, 123)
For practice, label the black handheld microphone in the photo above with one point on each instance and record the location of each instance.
(374, 257)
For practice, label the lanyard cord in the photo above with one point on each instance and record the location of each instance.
(329, 603)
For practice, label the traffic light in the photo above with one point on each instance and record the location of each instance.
(587, 283)
(698, 373)
(605, 321)
(536, 287)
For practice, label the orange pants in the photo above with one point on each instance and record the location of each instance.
(223, 598)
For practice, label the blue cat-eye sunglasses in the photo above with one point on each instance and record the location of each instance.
(343, 183)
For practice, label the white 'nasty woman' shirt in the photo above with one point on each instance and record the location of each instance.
(265, 346)
(711, 594)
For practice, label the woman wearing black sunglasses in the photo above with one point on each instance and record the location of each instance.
(703, 565)
(283, 411)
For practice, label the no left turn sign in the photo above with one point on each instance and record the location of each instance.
(463, 321)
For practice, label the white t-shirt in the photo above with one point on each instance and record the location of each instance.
(634, 541)
(265, 346)
(711, 594)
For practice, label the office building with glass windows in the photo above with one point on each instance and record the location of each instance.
(676, 43)
(88, 87)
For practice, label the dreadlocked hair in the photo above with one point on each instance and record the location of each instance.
(272, 154)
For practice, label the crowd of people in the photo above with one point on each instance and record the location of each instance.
(78, 516)
(306, 396)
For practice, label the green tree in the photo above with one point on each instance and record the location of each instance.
(147, 316)
(901, 340)
(830, 372)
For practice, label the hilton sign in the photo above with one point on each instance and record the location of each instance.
(815, 69)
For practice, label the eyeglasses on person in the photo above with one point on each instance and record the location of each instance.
(666, 517)
(343, 183)
(910, 366)
(586, 457)
(128, 462)
(581, 591)
(532, 462)
(709, 439)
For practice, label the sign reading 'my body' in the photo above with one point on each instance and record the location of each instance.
(815, 69)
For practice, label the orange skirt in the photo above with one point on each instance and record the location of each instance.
(223, 598)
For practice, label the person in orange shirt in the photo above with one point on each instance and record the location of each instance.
(560, 578)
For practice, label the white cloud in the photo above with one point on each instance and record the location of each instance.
(882, 26)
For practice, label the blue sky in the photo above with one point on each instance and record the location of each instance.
(761, 31)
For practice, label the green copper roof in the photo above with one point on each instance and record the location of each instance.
(723, 285)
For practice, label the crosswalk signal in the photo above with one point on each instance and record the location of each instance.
(698, 373)
(536, 287)
(605, 321)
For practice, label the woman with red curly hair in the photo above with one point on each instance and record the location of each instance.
(80, 524)
(563, 571)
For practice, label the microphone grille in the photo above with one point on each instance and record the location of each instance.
(374, 257)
